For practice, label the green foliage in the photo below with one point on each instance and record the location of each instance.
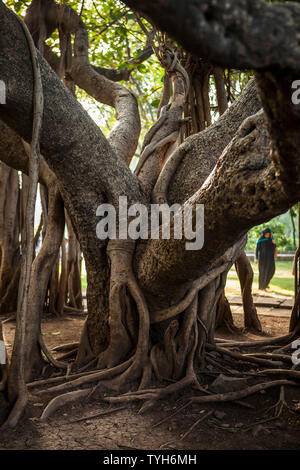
(115, 40)
(281, 231)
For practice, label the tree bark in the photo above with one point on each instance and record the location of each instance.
(245, 274)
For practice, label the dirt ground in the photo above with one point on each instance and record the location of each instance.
(229, 426)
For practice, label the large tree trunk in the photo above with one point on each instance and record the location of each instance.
(152, 304)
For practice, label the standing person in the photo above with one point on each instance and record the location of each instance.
(266, 252)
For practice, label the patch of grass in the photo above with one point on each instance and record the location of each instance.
(282, 283)
(83, 282)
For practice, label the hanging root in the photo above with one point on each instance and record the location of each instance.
(150, 396)
(140, 365)
(152, 147)
(123, 284)
(159, 193)
(117, 372)
(19, 390)
(196, 286)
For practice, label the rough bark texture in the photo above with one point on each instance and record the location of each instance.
(9, 236)
(245, 274)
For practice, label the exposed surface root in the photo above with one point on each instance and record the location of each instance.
(149, 396)
(98, 415)
(245, 358)
(63, 400)
(105, 374)
(280, 405)
(183, 353)
(187, 344)
(65, 347)
(152, 394)
(280, 340)
(232, 396)
(292, 374)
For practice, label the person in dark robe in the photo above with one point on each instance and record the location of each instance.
(266, 252)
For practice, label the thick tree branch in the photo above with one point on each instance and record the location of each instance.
(124, 136)
(239, 33)
(243, 190)
(14, 154)
(67, 130)
(201, 151)
(283, 121)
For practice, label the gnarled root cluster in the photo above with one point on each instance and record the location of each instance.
(179, 358)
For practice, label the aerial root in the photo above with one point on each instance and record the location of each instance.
(138, 365)
(146, 377)
(119, 343)
(20, 389)
(122, 284)
(123, 281)
(150, 396)
(152, 147)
